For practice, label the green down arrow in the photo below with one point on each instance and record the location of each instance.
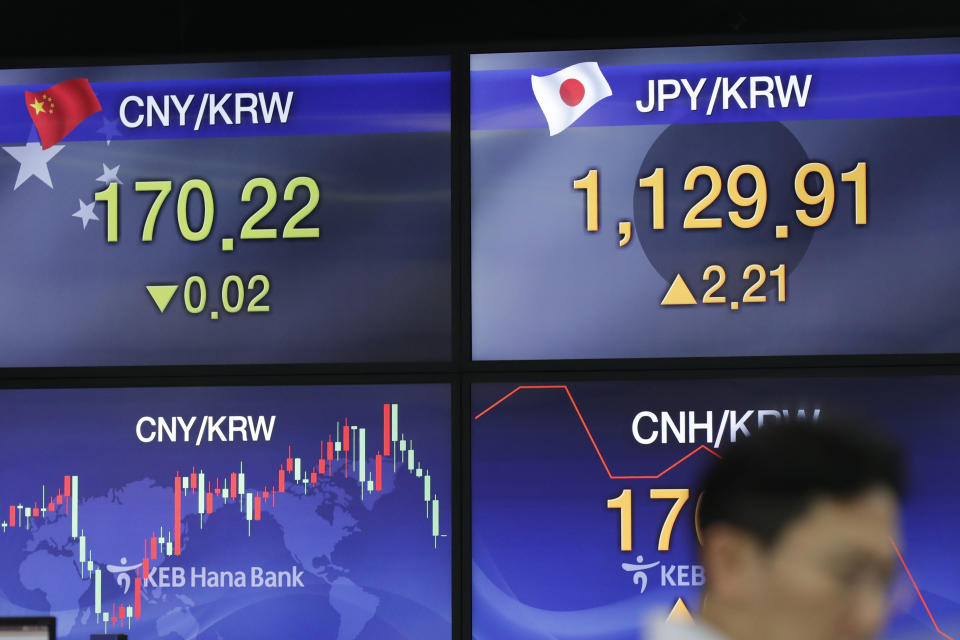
(162, 294)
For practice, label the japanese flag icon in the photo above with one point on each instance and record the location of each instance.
(566, 95)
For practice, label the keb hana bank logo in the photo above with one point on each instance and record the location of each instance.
(58, 110)
(566, 95)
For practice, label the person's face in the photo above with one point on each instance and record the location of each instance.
(826, 577)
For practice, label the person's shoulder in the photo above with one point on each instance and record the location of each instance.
(680, 631)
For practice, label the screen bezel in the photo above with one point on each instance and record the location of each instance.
(452, 383)
(410, 54)
(462, 371)
(14, 624)
(674, 362)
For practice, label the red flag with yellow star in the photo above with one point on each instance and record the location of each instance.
(59, 109)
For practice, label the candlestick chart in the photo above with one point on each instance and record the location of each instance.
(169, 551)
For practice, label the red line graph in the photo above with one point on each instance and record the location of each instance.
(583, 422)
(678, 462)
(917, 589)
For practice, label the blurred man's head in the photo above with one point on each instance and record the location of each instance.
(796, 523)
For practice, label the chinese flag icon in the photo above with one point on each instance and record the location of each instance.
(59, 109)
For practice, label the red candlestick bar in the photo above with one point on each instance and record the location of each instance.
(329, 449)
(281, 480)
(256, 508)
(193, 481)
(346, 445)
(386, 429)
(233, 485)
(66, 491)
(123, 613)
(323, 466)
(289, 461)
(136, 596)
(153, 548)
(209, 499)
(177, 493)
(378, 479)
(36, 511)
(12, 521)
(59, 498)
(313, 477)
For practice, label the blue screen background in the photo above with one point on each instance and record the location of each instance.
(546, 554)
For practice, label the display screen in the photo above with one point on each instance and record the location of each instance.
(779, 199)
(261, 212)
(557, 466)
(229, 512)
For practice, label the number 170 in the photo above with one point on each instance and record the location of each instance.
(624, 502)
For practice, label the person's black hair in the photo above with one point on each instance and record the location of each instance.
(769, 479)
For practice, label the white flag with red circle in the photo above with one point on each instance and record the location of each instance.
(566, 95)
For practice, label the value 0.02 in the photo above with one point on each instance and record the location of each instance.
(236, 295)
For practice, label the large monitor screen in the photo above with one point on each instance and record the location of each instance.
(257, 212)
(229, 512)
(750, 200)
(557, 468)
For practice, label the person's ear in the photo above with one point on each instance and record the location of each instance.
(733, 563)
